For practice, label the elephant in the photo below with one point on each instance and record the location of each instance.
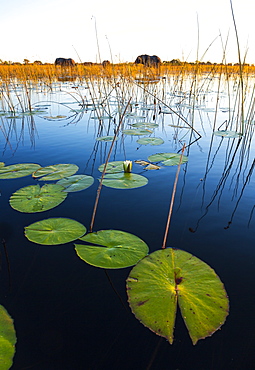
(63, 62)
(106, 63)
(148, 60)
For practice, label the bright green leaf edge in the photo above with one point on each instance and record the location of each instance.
(17, 170)
(56, 171)
(124, 180)
(53, 231)
(168, 276)
(76, 183)
(150, 141)
(112, 167)
(114, 249)
(7, 339)
(168, 159)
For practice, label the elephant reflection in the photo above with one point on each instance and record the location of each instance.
(63, 62)
(148, 60)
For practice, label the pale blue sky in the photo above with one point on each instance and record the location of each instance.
(46, 29)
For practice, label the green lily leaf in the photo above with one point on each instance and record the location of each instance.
(170, 276)
(76, 183)
(112, 167)
(54, 231)
(144, 124)
(136, 132)
(168, 159)
(150, 141)
(228, 134)
(18, 170)
(56, 172)
(124, 180)
(7, 339)
(114, 249)
(106, 138)
(32, 198)
(2, 164)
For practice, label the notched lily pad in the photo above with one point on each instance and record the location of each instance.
(136, 132)
(76, 183)
(111, 249)
(53, 231)
(106, 138)
(150, 141)
(112, 167)
(168, 159)
(55, 172)
(34, 198)
(7, 339)
(228, 134)
(17, 170)
(169, 277)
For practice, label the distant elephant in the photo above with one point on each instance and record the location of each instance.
(106, 63)
(148, 60)
(63, 62)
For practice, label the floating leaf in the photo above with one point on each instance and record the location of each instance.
(114, 249)
(149, 166)
(7, 339)
(18, 170)
(112, 167)
(106, 138)
(124, 180)
(168, 159)
(136, 132)
(228, 134)
(34, 198)
(168, 276)
(76, 183)
(150, 141)
(54, 231)
(144, 124)
(56, 172)
(54, 117)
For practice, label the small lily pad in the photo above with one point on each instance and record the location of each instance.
(111, 249)
(18, 170)
(112, 167)
(228, 134)
(124, 180)
(34, 198)
(168, 159)
(150, 141)
(53, 231)
(136, 132)
(76, 183)
(144, 124)
(106, 138)
(7, 339)
(55, 172)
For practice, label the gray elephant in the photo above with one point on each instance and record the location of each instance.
(63, 62)
(148, 60)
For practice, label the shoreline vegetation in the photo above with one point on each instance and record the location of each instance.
(36, 71)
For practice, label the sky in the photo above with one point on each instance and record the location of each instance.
(120, 30)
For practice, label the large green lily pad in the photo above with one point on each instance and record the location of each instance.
(76, 183)
(106, 138)
(168, 159)
(7, 339)
(170, 276)
(150, 141)
(18, 170)
(56, 172)
(34, 198)
(54, 231)
(124, 180)
(111, 249)
(112, 167)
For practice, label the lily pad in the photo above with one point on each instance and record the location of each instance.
(168, 159)
(124, 180)
(106, 138)
(114, 249)
(18, 170)
(56, 172)
(136, 132)
(112, 167)
(7, 339)
(34, 198)
(144, 124)
(228, 134)
(170, 276)
(53, 231)
(76, 183)
(150, 141)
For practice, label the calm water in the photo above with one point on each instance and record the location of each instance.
(66, 313)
